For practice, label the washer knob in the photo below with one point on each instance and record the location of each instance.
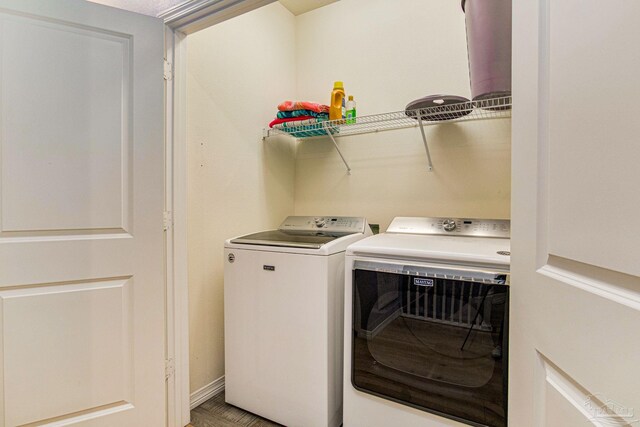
(449, 225)
(320, 222)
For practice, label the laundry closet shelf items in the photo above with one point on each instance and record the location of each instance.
(492, 108)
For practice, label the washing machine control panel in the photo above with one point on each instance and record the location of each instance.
(329, 224)
(452, 226)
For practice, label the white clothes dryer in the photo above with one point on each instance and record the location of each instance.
(426, 325)
(283, 305)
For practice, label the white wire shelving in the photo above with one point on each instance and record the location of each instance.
(493, 108)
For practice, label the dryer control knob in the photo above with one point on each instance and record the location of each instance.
(449, 225)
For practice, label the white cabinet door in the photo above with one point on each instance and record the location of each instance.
(81, 201)
(576, 197)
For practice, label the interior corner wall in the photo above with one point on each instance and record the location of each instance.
(237, 72)
(388, 53)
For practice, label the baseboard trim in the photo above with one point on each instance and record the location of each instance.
(200, 396)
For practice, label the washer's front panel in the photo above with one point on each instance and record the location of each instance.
(276, 336)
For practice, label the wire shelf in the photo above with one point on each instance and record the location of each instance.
(493, 108)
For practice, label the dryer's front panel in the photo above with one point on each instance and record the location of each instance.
(432, 339)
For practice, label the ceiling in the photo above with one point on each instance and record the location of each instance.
(156, 7)
(298, 7)
(146, 7)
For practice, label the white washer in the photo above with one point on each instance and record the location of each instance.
(283, 304)
(426, 325)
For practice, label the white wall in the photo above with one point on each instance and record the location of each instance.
(238, 71)
(397, 51)
(389, 53)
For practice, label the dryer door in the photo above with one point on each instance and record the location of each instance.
(434, 339)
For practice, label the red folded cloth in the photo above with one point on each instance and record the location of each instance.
(303, 105)
(289, 119)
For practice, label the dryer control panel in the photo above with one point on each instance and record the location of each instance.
(328, 224)
(500, 228)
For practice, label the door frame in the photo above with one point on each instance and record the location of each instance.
(181, 20)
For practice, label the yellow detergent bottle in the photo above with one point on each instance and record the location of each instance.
(336, 108)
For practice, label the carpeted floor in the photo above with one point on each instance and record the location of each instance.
(216, 413)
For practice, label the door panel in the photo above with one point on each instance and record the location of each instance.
(575, 277)
(81, 202)
(593, 129)
(66, 138)
(564, 402)
(93, 321)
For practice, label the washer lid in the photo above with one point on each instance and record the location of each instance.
(312, 239)
(309, 232)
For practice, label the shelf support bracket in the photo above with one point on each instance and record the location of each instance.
(335, 144)
(424, 139)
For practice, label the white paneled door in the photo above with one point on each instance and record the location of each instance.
(81, 202)
(576, 197)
